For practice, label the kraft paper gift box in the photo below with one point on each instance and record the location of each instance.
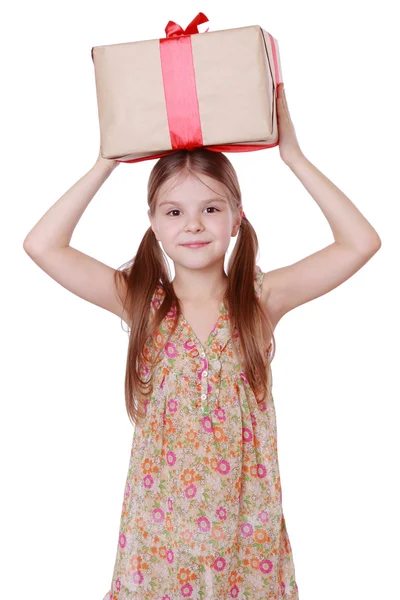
(190, 89)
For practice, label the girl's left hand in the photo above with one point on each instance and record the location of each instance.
(289, 148)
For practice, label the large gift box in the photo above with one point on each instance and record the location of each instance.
(214, 89)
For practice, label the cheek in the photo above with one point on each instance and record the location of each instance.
(170, 231)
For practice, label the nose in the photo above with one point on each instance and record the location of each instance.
(194, 224)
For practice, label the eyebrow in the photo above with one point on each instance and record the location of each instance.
(224, 200)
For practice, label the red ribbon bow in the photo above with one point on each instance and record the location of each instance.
(174, 30)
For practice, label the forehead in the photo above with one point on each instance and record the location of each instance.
(191, 189)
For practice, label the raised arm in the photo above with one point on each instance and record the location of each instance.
(356, 241)
(48, 243)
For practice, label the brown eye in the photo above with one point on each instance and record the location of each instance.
(176, 209)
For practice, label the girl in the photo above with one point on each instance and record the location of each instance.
(202, 511)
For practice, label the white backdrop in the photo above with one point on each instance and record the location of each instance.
(65, 434)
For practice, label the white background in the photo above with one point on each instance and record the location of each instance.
(65, 433)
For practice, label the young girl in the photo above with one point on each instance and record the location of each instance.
(202, 510)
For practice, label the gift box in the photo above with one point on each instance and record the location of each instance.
(215, 89)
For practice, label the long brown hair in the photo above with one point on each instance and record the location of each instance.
(149, 268)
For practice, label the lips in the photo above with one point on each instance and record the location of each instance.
(196, 244)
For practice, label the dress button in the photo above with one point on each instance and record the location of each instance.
(205, 373)
(202, 354)
(203, 396)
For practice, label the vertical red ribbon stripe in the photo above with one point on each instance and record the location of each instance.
(180, 92)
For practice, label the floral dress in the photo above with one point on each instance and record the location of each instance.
(202, 509)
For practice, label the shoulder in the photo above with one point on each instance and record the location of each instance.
(155, 303)
(157, 298)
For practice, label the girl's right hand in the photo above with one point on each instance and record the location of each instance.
(107, 161)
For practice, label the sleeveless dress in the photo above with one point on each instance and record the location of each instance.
(202, 509)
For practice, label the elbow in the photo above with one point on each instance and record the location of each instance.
(372, 243)
(377, 243)
(374, 246)
(26, 245)
(29, 246)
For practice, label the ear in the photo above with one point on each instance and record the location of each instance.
(152, 225)
(236, 226)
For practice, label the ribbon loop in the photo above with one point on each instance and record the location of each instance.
(174, 30)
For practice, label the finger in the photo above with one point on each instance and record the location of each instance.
(285, 106)
(282, 109)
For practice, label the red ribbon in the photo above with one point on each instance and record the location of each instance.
(179, 82)
(180, 92)
(172, 29)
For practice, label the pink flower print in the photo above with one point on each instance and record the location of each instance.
(223, 467)
(200, 373)
(122, 540)
(265, 566)
(148, 481)
(170, 350)
(261, 471)
(127, 490)
(206, 423)
(171, 458)
(219, 563)
(262, 406)
(203, 524)
(220, 413)
(247, 434)
(221, 513)
(282, 589)
(253, 420)
(144, 371)
(234, 591)
(189, 345)
(186, 590)
(167, 597)
(243, 377)
(137, 577)
(156, 302)
(190, 491)
(172, 312)
(170, 505)
(263, 516)
(118, 585)
(246, 529)
(158, 515)
(170, 556)
(172, 405)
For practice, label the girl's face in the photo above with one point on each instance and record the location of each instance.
(189, 212)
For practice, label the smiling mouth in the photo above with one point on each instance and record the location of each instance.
(196, 245)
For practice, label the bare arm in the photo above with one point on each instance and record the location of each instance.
(48, 243)
(356, 241)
